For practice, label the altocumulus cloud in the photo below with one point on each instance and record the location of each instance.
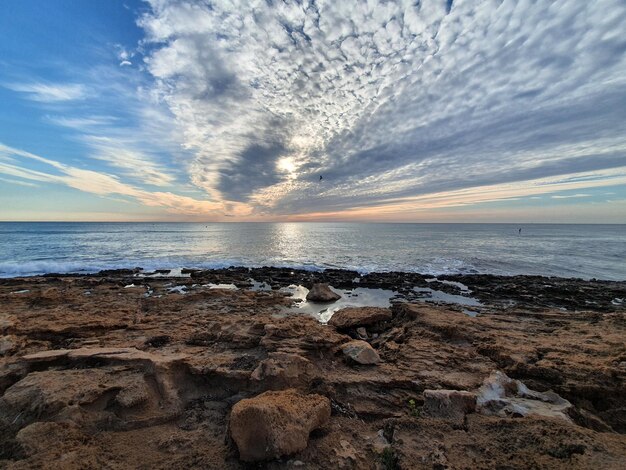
(388, 100)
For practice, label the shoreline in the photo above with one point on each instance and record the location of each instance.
(222, 266)
(529, 291)
(120, 369)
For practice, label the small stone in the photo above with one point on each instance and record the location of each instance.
(361, 352)
(362, 332)
(322, 293)
(274, 424)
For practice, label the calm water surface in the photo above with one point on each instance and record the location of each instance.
(585, 251)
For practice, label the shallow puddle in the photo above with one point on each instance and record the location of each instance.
(220, 286)
(432, 295)
(359, 297)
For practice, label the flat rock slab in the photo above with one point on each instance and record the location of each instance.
(322, 293)
(274, 424)
(361, 352)
(121, 354)
(359, 316)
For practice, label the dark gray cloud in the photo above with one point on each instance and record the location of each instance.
(255, 169)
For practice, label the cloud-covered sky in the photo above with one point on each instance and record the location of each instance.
(432, 110)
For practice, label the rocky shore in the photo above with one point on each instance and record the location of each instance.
(235, 368)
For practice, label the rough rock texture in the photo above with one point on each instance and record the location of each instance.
(353, 317)
(274, 424)
(502, 396)
(322, 293)
(283, 369)
(361, 352)
(104, 376)
(451, 405)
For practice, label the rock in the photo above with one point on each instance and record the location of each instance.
(8, 345)
(274, 424)
(40, 437)
(450, 405)
(322, 293)
(285, 369)
(362, 332)
(359, 316)
(502, 396)
(43, 395)
(361, 352)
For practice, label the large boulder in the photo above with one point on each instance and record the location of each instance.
(451, 405)
(358, 316)
(274, 424)
(361, 352)
(322, 293)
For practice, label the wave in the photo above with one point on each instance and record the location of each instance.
(435, 267)
(38, 268)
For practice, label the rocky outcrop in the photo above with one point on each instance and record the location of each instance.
(322, 293)
(353, 317)
(274, 424)
(360, 352)
(107, 376)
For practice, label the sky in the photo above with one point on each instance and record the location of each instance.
(416, 111)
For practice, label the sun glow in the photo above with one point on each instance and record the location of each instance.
(287, 165)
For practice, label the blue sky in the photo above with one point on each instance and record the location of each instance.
(486, 110)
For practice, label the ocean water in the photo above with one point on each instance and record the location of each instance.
(585, 251)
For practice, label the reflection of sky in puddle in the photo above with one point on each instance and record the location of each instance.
(359, 297)
(432, 295)
(367, 297)
(220, 286)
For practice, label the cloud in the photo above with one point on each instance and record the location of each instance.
(104, 185)
(18, 182)
(569, 196)
(50, 92)
(388, 100)
(134, 163)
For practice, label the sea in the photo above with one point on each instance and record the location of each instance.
(573, 251)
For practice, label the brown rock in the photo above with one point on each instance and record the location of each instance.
(361, 352)
(450, 405)
(284, 369)
(359, 316)
(8, 345)
(322, 293)
(276, 423)
(362, 332)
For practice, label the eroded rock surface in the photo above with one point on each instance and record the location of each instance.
(451, 405)
(96, 375)
(502, 396)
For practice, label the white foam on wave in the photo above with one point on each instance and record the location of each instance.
(9, 269)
